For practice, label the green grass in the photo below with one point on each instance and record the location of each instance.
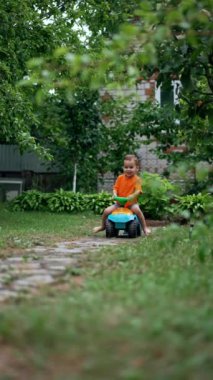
(24, 229)
(141, 310)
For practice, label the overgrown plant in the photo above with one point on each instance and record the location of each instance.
(157, 192)
(194, 205)
(62, 201)
(98, 202)
(155, 200)
(31, 200)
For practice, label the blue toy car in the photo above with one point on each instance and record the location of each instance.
(123, 219)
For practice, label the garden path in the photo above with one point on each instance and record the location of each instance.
(25, 272)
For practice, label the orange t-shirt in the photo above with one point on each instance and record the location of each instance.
(125, 186)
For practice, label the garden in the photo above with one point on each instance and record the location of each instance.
(141, 308)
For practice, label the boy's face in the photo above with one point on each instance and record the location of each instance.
(130, 168)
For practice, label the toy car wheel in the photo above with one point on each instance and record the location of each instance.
(110, 229)
(138, 229)
(132, 229)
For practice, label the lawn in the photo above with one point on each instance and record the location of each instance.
(24, 229)
(141, 310)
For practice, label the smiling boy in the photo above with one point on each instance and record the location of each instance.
(128, 185)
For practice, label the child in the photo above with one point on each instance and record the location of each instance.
(128, 185)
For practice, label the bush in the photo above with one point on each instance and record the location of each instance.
(155, 200)
(61, 201)
(65, 201)
(157, 192)
(194, 205)
(30, 200)
(98, 202)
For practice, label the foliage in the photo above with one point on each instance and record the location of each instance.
(203, 180)
(62, 201)
(174, 128)
(157, 192)
(101, 44)
(98, 202)
(103, 18)
(120, 47)
(91, 132)
(173, 41)
(155, 201)
(73, 134)
(121, 135)
(30, 200)
(188, 57)
(27, 29)
(193, 205)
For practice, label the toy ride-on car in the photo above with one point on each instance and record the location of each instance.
(122, 219)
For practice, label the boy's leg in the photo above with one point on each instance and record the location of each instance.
(106, 212)
(136, 209)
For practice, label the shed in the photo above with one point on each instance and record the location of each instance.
(24, 171)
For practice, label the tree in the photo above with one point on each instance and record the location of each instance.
(173, 36)
(73, 135)
(121, 134)
(87, 137)
(103, 18)
(27, 29)
(189, 57)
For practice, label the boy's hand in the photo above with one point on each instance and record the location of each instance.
(133, 196)
(113, 197)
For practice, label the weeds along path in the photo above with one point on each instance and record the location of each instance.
(23, 274)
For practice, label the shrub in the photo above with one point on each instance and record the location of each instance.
(66, 201)
(62, 201)
(193, 205)
(30, 200)
(98, 202)
(157, 192)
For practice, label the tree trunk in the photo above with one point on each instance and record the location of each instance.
(74, 178)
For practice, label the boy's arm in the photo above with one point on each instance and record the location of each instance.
(138, 190)
(115, 188)
(134, 195)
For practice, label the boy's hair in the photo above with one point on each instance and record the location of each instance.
(130, 157)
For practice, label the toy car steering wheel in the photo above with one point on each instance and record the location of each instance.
(121, 200)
